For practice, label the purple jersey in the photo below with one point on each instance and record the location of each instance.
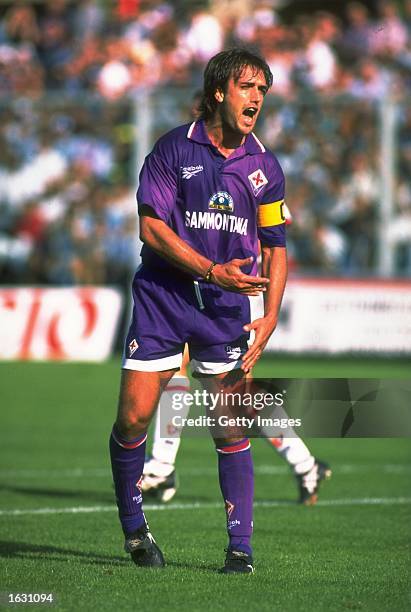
(220, 206)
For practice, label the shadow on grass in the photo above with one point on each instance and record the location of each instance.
(95, 496)
(19, 550)
(205, 567)
(25, 550)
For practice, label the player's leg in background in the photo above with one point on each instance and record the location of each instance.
(159, 476)
(139, 395)
(308, 471)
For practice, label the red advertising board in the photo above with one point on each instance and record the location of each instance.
(76, 323)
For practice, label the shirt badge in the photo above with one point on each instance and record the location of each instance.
(221, 201)
(257, 181)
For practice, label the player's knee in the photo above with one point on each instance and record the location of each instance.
(131, 423)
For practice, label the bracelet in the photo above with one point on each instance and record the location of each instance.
(207, 275)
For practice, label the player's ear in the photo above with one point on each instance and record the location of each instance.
(219, 95)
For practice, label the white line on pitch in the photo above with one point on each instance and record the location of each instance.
(365, 501)
(267, 469)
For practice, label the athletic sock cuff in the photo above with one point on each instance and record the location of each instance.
(235, 447)
(177, 384)
(177, 375)
(127, 444)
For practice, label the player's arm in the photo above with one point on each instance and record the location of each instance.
(274, 266)
(163, 240)
(271, 223)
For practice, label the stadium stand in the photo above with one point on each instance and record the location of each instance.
(69, 73)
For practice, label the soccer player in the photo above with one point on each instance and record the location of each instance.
(159, 476)
(208, 193)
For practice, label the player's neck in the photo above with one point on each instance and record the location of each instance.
(223, 137)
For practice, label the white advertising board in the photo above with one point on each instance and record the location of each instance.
(339, 316)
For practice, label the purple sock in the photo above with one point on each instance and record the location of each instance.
(235, 468)
(127, 463)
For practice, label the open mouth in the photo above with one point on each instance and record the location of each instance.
(251, 111)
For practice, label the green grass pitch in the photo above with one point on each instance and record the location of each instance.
(59, 531)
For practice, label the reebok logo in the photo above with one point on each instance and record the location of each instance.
(187, 172)
(233, 352)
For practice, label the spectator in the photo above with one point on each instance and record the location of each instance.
(390, 36)
(55, 49)
(407, 18)
(317, 59)
(114, 78)
(355, 41)
(20, 26)
(204, 37)
(82, 71)
(88, 20)
(371, 83)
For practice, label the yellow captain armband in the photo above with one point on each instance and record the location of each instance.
(271, 214)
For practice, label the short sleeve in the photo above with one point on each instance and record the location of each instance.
(157, 186)
(270, 215)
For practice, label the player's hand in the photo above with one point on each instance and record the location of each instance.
(230, 276)
(263, 329)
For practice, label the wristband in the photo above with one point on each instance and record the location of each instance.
(207, 275)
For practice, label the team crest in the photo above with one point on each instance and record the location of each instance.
(229, 507)
(257, 181)
(221, 201)
(133, 346)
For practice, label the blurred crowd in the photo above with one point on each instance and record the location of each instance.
(117, 47)
(67, 211)
(68, 74)
(331, 155)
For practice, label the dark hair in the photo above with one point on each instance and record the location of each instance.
(221, 68)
